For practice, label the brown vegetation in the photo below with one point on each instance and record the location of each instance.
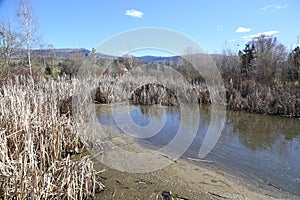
(147, 90)
(256, 98)
(150, 94)
(263, 78)
(35, 142)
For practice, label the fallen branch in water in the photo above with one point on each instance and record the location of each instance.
(200, 160)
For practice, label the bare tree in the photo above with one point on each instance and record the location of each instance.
(52, 54)
(28, 24)
(72, 64)
(8, 42)
(294, 64)
(270, 58)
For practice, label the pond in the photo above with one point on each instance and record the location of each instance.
(263, 149)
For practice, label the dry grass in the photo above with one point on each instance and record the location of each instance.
(253, 97)
(148, 89)
(35, 139)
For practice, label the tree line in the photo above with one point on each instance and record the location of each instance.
(264, 77)
(264, 60)
(25, 36)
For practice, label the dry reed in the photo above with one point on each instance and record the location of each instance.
(35, 139)
(147, 90)
(253, 97)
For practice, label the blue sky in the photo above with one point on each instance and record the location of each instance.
(214, 24)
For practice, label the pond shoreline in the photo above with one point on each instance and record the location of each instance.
(252, 184)
(187, 178)
(184, 179)
(247, 96)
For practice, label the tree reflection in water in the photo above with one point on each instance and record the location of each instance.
(260, 132)
(265, 148)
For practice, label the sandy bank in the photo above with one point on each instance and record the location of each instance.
(184, 179)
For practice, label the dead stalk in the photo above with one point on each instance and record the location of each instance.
(33, 140)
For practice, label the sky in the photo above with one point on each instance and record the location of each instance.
(214, 24)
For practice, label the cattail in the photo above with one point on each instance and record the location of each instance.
(34, 137)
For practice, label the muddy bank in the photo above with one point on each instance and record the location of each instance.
(183, 179)
(186, 179)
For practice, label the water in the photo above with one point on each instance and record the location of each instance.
(262, 149)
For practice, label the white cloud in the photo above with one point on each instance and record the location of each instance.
(272, 7)
(266, 33)
(219, 28)
(242, 29)
(134, 13)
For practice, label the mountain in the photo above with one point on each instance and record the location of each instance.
(60, 53)
(159, 59)
(57, 53)
(64, 53)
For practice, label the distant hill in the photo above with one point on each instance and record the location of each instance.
(63, 53)
(159, 59)
(173, 59)
(60, 53)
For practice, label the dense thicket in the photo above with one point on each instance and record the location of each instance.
(263, 78)
(36, 139)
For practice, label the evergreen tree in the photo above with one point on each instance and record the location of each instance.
(246, 57)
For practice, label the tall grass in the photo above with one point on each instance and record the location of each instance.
(147, 90)
(253, 97)
(247, 95)
(35, 139)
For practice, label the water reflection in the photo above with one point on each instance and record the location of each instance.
(265, 148)
(258, 132)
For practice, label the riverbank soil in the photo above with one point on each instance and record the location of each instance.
(182, 179)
